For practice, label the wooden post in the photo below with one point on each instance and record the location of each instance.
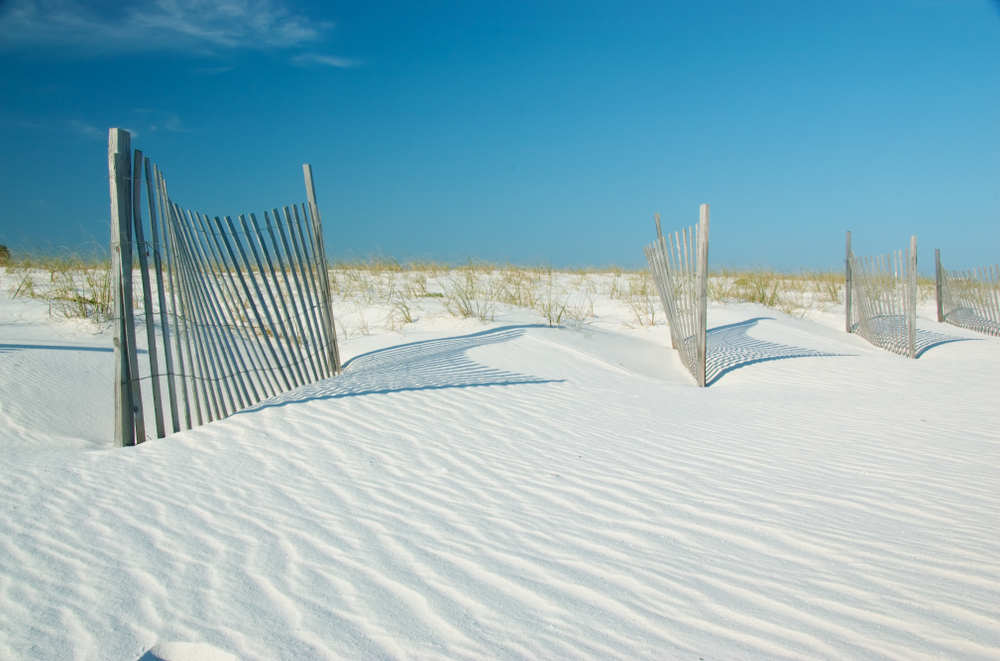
(848, 287)
(332, 348)
(119, 144)
(912, 289)
(938, 282)
(702, 284)
(129, 426)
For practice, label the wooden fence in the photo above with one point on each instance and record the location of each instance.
(232, 312)
(881, 298)
(968, 299)
(679, 263)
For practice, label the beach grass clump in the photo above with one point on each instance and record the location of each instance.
(75, 286)
(792, 293)
(472, 294)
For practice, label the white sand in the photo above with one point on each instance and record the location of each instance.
(510, 491)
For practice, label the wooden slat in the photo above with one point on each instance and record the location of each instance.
(255, 351)
(270, 324)
(283, 256)
(288, 372)
(212, 292)
(158, 264)
(313, 295)
(302, 285)
(230, 335)
(202, 374)
(216, 352)
(147, 295)
(320, 279)
(182, 334)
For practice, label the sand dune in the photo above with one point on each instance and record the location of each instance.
(513, 491)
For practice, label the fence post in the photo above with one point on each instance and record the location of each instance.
(702, 285)
(938, 284)
(332, 348)
(912, 287)
(128, 396)
(848, 293)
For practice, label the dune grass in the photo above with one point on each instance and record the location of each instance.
(75, 286)
(382, 292)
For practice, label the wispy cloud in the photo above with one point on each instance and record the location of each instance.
(164, 121)
(182, 25)
(85, 129)
(311, 59)
(77, 127)
(145, 119)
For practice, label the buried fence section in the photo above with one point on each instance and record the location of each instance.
(679, 264)
(233, 312)
(969, 299)
(883, 295)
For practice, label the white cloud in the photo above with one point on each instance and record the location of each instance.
(325, 60)
(183, 25)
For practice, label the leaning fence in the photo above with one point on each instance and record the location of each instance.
(882, 298)
(969, 299)
(679, 264)
(232, 312)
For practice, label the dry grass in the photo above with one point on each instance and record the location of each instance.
(399, 294)
(383, 292)
(793, 293)
(74, 286)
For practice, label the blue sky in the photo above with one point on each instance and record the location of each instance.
(530, 132)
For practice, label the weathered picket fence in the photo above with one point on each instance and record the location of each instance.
(968, 299)
(679, 264)
(881, 298)
(233, 313)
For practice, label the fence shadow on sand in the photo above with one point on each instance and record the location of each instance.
(928, 340)
(730, 348)
(427, 365)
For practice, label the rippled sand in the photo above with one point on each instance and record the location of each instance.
(515, 491)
